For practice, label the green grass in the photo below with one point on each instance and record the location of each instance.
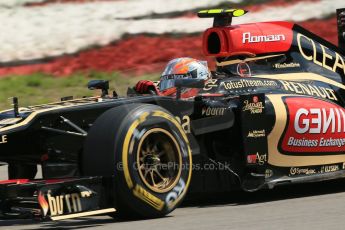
(41, 88)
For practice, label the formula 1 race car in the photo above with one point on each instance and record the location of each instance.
(273, 113)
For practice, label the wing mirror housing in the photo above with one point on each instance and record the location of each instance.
(99, 84)
(188, 83)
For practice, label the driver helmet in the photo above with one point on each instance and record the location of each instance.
(181, 68)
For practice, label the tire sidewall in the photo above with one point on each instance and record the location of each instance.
(129, 183)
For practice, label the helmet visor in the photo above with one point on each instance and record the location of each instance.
(166, 84)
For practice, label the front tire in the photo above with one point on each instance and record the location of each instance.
(146, 150)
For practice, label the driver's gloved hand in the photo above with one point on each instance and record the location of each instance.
(146, 87)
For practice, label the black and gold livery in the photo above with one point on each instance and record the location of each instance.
(264, 118)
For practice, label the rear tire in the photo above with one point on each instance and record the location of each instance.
(146, 150)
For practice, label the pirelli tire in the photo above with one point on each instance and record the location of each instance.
(146, 150)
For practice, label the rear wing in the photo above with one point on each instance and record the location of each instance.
(341, 28)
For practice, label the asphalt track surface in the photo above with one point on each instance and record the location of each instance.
(309, 206)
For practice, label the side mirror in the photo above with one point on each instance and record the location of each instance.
(99, 84)
(188, 83)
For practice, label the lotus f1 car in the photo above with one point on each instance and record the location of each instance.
(273, 113)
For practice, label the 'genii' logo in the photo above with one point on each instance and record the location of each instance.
(314, 126)
(248, 38)
(319, 120)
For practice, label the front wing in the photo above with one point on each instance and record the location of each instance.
(56, 199)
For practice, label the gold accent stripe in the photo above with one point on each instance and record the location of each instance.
(237, 61)
(64, 102)
(301, 77)
(90, 213)
(34, 114)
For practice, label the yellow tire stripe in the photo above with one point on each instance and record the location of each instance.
(131, 129)
(147, 197)
(125, 145)
(173, 120)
